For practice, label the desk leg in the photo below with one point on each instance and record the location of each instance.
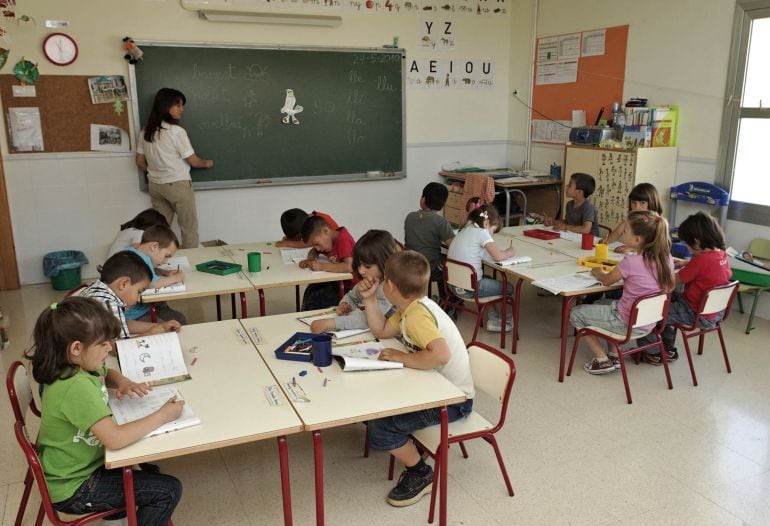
(262, 302)
(219, 308)
(516, 303)
(283, 456)
(128, 490)
(244, 315)
(507, 206)
(232, 306)
(318, 455)
(504, 310)
(566, 303)
(296, 297)
(442, 475)
(153, 313)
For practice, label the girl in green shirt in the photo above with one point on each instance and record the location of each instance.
(71, 341)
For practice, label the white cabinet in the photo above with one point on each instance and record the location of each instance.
(616, 172)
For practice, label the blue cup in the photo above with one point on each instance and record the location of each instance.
(322, 350)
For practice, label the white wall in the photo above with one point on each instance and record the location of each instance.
(77, 201)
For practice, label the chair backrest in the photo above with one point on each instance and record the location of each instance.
(760, 248)
(493, 373)
(74, 291)
(718, 299)
(650, 309)
(459, 274)
(20, 392)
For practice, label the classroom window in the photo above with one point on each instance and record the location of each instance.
(743, 157)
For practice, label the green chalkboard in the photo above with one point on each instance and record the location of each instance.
(352, 123)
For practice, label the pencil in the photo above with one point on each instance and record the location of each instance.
(193, 361)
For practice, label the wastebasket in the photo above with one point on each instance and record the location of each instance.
(63, 267)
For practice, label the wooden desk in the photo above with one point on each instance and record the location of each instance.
(203, 284)
(519, 189)
(547, 262)
(219, 391)
(352, 397)
(276, 274)
(564, 246)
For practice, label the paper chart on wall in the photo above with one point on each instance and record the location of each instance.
(26, 132)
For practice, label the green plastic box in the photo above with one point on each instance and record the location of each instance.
(220, 268)
(759, 279)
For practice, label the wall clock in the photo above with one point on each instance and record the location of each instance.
(60, 49)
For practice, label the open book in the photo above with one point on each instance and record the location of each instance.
(168, 289)
(291, 256)
(180, 263)
(157, 358)
(130, 409)
(515, 260)
(337, 334)
(568, 283)
(363, 357)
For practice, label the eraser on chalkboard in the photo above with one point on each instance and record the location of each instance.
(374, 173)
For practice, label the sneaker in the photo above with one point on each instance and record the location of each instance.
(496, 325)
(597, 367)
(615, 361)
(654, 359)
(411, 487)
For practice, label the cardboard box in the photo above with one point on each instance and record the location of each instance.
(454, 215)
(455, 200)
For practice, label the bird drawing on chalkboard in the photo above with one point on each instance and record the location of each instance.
(290, 108)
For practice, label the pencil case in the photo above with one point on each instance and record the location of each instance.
(220, 268)
(594, 262)
(298, 348)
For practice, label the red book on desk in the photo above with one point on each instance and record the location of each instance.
(541, 234)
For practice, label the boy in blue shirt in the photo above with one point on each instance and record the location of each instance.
(158, 245)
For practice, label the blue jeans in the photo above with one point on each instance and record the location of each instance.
(679, 312)
(156, 495)
(392, 432)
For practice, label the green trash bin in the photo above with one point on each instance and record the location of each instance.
(63, 267)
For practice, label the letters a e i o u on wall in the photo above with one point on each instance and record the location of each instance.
(440, 69)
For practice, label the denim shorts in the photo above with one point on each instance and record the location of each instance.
(487, 287)
(392, 432)
(605, 317)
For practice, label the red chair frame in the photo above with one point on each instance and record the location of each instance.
(480, 306)
(690, 331)
(487, 434)
(586, 331)
(19, 414)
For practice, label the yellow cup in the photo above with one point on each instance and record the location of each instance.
(602, 250)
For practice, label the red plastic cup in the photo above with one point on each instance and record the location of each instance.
(587, 241)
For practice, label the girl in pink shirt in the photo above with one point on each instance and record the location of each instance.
(647, 268)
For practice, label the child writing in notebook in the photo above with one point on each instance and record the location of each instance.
(432, 341)
(71, 340)
(370, 254)
(470, 245)
(709, 267)
(336, 247)
(291, 224)
(158, 245)
(643, 196)
(580, 216)
(647, 268)
(131, 231)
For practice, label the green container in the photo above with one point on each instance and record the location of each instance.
(760, 279)
(67, 279)
(220, 268)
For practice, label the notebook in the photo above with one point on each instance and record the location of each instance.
(157, 358)
(130, 409)
(568, 283)
(363, 357)
(515, 260)
(168, 289)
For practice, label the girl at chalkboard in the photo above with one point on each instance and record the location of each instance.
(165, 153)
(71, 340)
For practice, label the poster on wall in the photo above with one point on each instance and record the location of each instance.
(437, 35)
(444, 73)
(558, 72)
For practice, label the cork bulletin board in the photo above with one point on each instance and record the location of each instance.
(599, 83)
(66, 111)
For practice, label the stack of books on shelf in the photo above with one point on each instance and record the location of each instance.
(645, 127)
